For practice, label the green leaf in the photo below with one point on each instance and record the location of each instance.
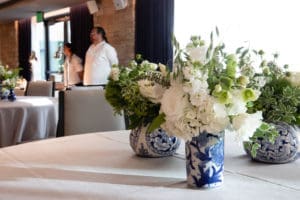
(217, 31)
(254, 148)
(156, 122)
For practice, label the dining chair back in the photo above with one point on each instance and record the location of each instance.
(84, 111)
(40, 88)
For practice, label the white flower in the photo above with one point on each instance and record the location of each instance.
(237, 105)
(245, 124)
(151, 90)
(174, 102)
(294, 78)
(260, 81)
(152, 66)
(199, 99)
(187, 72)
(220, 110)
(197, 53)
(163, 69)
(115, 73)
(191, 114)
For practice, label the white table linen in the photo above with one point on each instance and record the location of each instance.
(27, 118)
(102, 166)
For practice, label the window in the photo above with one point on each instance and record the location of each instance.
(48, 39)
(267, 25)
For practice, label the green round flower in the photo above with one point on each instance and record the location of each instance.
(226, 83)
(224, 97)
(249, 94)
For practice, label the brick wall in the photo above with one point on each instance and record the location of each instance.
(119, 26)
(9, 44)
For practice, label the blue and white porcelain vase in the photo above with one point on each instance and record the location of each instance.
(153, 145)
(205, 160)
(284, 149)
(11, 96)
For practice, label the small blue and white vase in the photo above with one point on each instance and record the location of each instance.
(153, 145)
(205, 160)
(284, 149)
(11, 96)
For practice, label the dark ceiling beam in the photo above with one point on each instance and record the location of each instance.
(9, 3)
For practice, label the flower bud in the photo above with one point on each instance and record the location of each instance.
(266, 70)
(218, 88)
(243, 81)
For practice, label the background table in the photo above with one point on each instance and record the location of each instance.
(102, 166)
(27, 118)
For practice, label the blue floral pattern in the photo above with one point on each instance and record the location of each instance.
(154, 144)
(205, 160)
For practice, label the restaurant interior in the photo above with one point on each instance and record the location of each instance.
(167, 121)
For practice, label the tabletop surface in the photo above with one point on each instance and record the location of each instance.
(102, 166)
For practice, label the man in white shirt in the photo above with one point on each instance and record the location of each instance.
(99, 58)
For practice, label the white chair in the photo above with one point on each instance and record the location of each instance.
(40, 88)
(84, 111)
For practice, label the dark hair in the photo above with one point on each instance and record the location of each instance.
(69, 46)
(101, 31)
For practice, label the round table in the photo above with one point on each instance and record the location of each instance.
(28, 118)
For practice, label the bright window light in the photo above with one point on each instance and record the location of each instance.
(259, 24)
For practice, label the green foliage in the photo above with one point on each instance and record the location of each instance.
(265, 132)
(279, 101)
(124, 94)
(157, 122)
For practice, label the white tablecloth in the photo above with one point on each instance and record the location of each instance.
(102, 166)
(27, 118)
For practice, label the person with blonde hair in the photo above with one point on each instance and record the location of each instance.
(36, 73)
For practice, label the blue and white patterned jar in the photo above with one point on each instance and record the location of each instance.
(205, 160)
(154, 144)
(284, 149)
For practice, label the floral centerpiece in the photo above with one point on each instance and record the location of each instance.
(209, 93)
(136, 90)
(280, 105)
(8, 79)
